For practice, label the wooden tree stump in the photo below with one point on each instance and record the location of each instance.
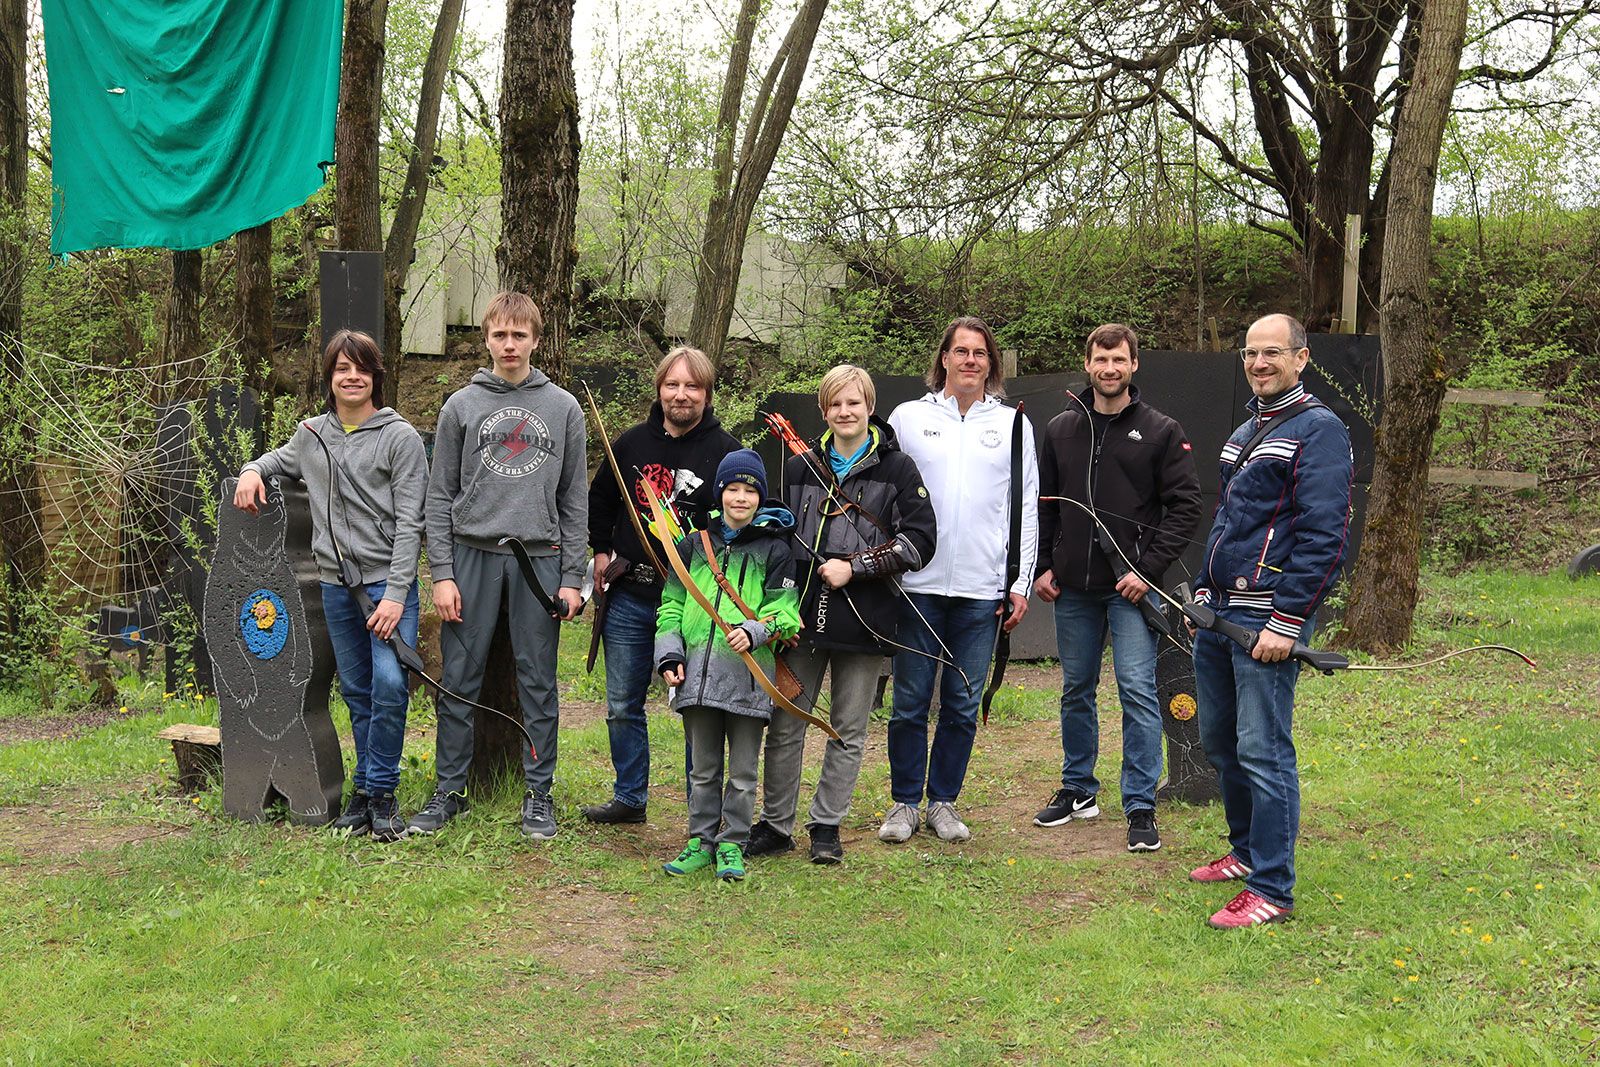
(197, 752)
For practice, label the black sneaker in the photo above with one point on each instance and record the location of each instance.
(614, 811)
(538, 816)
(356, 817)
(825, 847)
(765, 841)
(440, 809)
(1142, 833)
(1066, 805)
(387, 825)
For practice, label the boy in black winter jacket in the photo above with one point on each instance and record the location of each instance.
(860, 506)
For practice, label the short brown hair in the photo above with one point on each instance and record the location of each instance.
(513, 308)
(361, 350)
(839, 378)
(701, 369)
(995, 384)
(1110, 336)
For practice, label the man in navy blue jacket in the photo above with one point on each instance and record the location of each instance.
(1275, 547)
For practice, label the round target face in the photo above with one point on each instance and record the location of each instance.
(264, 624)
(1182, 707)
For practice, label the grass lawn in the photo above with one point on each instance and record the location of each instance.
(1448, 908)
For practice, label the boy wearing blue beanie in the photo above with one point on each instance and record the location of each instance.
(743, 557)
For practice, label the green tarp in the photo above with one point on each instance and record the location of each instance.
(177, 123)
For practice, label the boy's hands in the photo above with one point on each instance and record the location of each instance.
(672, 675)
(251, 492)
(447, 600)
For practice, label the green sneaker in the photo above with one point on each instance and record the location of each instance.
(730, 862)
(694, 857)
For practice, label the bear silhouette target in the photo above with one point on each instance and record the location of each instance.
(273, 663)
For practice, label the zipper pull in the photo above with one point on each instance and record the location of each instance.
(1262, 562)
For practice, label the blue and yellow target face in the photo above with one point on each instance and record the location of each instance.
(264, 624)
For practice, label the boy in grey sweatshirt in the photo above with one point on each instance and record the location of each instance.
(508, 461)
(366, 472)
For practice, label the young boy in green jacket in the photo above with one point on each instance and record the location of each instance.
(724, 709)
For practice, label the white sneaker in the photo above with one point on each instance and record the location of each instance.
(900, 824)
(943, 820)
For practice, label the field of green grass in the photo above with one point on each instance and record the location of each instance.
(1448, 909)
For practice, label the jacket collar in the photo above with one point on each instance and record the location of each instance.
(1267, 407)
(1086, 395)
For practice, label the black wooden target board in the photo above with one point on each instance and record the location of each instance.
(272, 661)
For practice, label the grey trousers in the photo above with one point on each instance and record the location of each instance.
(854, 683)
(483, 578)
(713, 802)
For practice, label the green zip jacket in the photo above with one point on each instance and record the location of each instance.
(757, 564)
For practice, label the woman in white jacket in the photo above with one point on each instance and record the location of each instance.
(960, 435)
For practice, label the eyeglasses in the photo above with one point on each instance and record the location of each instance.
(1270, 354)
(964, 353)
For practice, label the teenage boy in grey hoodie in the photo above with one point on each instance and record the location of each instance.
(508, 461)
(368, 475)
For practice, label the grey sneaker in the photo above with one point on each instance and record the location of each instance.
(901, 823)
(943, 820)
(538, 816)
(440, 809)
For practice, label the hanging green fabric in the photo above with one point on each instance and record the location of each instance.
(178, 123)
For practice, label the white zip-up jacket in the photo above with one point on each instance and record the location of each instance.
(965, 462)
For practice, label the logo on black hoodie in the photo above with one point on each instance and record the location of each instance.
(514, 442)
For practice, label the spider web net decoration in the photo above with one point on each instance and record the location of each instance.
(123, 500)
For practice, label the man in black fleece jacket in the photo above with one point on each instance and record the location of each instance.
(677, 447)
(1135, 467)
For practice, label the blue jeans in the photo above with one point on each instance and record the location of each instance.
(630, 634)
(1081, 623)
(372, 683)
(1246, 726)
(968, 629)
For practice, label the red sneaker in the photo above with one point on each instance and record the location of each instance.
(1223, 870)
(1248, 909)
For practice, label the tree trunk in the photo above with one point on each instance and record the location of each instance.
(183, 324)
(737, 180)
(1383, 597)
(20, 547)
(356, 222)
(253, 310)
(400, 247)
(538, 253)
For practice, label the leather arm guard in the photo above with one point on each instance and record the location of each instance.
(891, 557)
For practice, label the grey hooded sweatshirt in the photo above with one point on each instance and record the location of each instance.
(382, 475)
(509, 461)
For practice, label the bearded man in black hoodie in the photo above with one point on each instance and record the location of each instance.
(677, 447)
